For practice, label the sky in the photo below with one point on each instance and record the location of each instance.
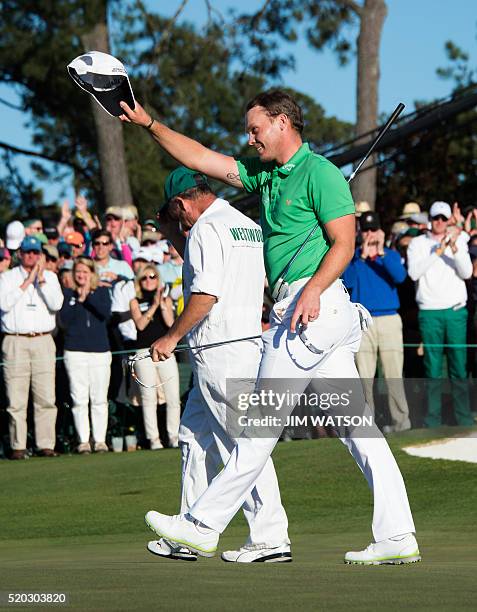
(412, 47)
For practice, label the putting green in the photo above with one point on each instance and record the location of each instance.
(75, 525)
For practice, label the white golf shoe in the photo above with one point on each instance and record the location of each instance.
(165, 549)
(393, 551)
(259, 553)
(178, 529)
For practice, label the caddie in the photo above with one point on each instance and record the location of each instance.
(315, 330)
(223, 285)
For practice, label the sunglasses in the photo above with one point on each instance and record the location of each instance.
(65, 255)
(48, 258)
(149, 276)
(78, 246)
(101, 243)
(440, 218)
(111, 218)
(148, 243)
(31, 251)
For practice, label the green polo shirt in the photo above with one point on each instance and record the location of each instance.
(307, 189)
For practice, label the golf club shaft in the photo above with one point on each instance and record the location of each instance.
(185, 347)
(397, 111)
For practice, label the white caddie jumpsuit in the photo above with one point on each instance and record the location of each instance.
(223, 258)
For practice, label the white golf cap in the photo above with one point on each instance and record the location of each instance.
(440, 208)
(143, 253)
(105, 78)
(14, 234)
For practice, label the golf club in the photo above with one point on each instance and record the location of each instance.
(281, 285)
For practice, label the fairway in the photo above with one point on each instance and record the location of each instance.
(75, 525)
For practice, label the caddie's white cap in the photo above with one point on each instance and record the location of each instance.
(440, 208)
(105, 78)
(14, 234)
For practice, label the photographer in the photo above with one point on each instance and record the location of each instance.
(439, 262)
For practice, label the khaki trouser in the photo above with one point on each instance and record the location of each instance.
(30, 361)
(384, 337)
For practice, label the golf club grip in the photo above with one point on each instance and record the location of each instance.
(397, 111)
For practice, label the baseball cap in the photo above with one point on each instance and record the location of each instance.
(157, 254)
(181, 179)
(420, 218)
(66, 266)
(51, 251)
(142, 253)
(74, 238)
(369, 221)
(399, 227)
(440, 208)
(362, 207)
(41, 237)
(65, 249)
(105, 78)
(411, 208)
(30, 243)
(15, 233)
(114, 211)
(154, 224)
(149, 236)
(130, 212)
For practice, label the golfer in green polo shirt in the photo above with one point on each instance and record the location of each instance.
(315, 330)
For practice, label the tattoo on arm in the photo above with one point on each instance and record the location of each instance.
(234, 178)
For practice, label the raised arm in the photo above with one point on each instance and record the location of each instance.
(186, 151)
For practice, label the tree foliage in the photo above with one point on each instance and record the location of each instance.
(439, 163)
(197, 81)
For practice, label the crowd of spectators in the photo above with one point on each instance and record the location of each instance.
(420, 286)
(80, 295)
(76, 298)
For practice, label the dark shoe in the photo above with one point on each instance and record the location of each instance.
(19, 454)
(48, 452)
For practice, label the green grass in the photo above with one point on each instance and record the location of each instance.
(75, 524)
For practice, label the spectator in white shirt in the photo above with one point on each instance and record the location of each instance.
(439, 262)
(110, 270)
(30, 296)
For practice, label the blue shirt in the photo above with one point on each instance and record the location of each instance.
(85, 323)
(373, 283)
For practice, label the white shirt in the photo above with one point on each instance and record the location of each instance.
(31, 310)
(439, 280)
(123, 293)
(223, 257)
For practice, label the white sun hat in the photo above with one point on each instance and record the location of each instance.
(105, 78)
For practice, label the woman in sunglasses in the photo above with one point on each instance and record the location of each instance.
(152, 314)
(84, 316)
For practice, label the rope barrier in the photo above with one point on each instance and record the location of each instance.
(184, 347)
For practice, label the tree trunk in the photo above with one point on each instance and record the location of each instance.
(109, 131)
(373, 14)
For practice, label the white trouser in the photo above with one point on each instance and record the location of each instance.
(168, 374)
(205, 443)
(337, 333)
(89, 375)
